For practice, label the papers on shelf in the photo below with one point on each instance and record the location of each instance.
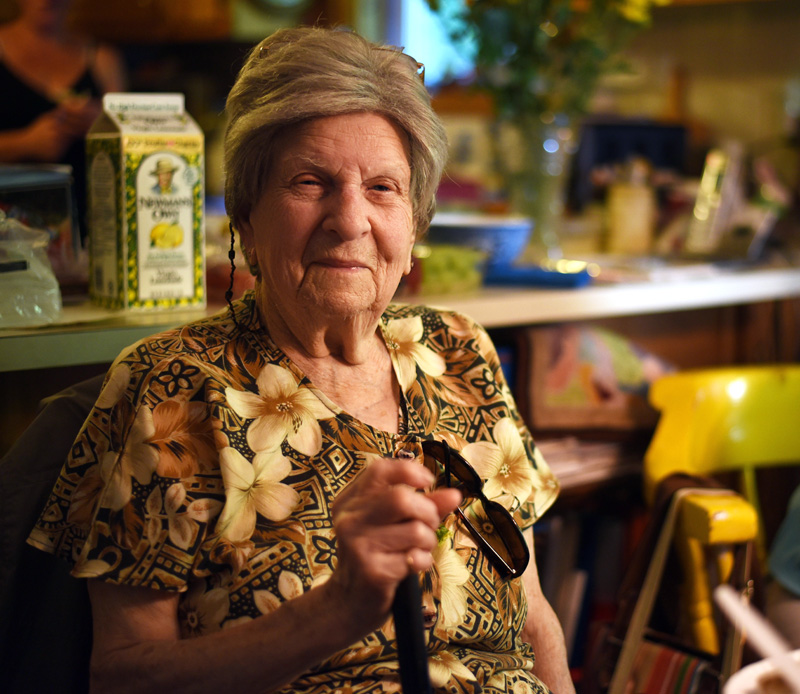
(616, 269)
(575, 462)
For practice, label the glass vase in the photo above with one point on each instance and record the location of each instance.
(537, 159)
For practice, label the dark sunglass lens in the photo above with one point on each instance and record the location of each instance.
(490, 523)
(485, 525)
(462, 476)
(465, 473)
(432, 460)
(498, 529)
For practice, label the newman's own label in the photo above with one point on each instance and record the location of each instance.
(146, 231)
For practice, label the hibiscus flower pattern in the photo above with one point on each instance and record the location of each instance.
(252, 489)
(202, 611)
(183, 438)
(444, 665)
(280, 410)
(503, 465)
(135, 463)
(449, 576)
(210, 463)
(403, 339)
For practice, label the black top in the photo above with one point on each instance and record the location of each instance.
(23, 104)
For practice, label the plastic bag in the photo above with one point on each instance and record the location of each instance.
(29, 291)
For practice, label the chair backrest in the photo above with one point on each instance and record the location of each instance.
(45, 615)
(718, 420)
(724, 419)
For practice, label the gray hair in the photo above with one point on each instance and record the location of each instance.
(299, 74)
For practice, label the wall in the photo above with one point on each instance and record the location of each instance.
(726, 68)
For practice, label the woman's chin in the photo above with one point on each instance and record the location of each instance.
(343, 295)
(341, 302)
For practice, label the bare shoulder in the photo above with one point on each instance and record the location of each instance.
(8, 37)
(109, 68)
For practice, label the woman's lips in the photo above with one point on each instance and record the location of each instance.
(341, 264)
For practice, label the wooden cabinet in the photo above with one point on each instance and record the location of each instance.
(170, 21)
(154, 20)
(732, 318)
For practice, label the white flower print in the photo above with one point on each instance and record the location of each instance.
(503, 465)
(115, 386)
(281, 410)
(202, 612)
(252, 488)
(403, 336)
(138, 460)
(443, 665)
(450, 574)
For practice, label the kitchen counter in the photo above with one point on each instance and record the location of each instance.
(90, 335)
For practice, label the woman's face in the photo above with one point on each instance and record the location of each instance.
(332, 232)
(45, 14)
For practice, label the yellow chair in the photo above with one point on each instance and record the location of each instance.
(712, 421)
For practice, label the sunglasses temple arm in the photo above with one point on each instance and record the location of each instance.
(486, 548)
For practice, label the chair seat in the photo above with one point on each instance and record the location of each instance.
(718, 519)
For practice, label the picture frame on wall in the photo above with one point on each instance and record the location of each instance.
(588, 377)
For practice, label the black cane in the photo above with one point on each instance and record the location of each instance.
(411, 651)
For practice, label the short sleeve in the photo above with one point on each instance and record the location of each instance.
(500, 447)
(140, 491)
(544, 487)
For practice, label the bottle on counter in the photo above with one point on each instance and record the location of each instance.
(632, 211)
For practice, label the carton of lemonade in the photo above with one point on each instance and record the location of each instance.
(145, 179)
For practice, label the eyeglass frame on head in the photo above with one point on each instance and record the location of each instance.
(505, 570)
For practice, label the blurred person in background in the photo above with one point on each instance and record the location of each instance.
(783, 590)
(51, 81)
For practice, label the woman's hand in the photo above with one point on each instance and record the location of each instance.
(77, 114)
(385, 530)
(380, 520)
(47, 138)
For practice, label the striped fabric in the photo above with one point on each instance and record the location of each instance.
(663, 670)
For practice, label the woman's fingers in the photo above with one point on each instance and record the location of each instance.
(386, 528)
(446, 500)
(384, 472)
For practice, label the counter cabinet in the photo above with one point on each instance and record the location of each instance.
(723, 318)
(92, 336)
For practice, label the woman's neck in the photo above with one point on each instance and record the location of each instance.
(352, 339)
(345, 358)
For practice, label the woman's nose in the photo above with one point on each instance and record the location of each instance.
(347, 214)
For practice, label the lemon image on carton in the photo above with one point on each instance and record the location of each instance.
(165, 235)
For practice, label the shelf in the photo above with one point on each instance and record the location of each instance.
(92, 336)
(505, 307)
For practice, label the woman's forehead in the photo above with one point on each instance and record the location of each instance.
(370, 137)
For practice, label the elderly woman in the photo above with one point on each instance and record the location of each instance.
(247, 493)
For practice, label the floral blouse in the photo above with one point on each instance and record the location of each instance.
(210, 462)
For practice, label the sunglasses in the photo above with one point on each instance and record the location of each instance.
(417, 67)
(490, 523)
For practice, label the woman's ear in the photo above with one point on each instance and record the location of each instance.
(410, 261)
(247, 240)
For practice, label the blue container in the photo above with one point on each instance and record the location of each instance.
(502, 238)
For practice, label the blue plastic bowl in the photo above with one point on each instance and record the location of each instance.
(502, 238)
